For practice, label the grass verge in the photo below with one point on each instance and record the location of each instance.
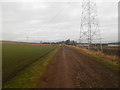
(30, 76)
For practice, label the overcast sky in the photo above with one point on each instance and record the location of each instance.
(54, 20)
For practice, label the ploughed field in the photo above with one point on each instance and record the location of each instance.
(16, 57)
(111, 51)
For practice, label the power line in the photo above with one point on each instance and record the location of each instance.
(55, 16)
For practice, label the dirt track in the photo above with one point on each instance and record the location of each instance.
(70, 69)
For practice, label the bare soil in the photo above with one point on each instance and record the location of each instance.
(71, 69)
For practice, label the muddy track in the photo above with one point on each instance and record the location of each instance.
(71, 69)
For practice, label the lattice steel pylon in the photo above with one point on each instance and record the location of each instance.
(89, 31)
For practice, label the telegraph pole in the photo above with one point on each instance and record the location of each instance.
(27, 39)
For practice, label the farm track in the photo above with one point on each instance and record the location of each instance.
(27, 65)
(71, 69)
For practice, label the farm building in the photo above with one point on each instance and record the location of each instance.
(114, 45)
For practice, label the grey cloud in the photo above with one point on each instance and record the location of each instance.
(53, 20)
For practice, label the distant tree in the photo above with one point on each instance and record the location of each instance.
(41, 42)
(68, 42)
(73, 43)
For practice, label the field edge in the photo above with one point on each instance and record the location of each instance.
(29, 77)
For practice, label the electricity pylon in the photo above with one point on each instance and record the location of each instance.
(89, 32)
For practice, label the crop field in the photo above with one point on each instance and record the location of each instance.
(16, 57)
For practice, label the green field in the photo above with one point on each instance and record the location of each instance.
(15, 58)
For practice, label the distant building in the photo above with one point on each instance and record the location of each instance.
(113, 45)
(83, 44)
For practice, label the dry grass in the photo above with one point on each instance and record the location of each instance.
(42, 44)
(12, 42)
(24, 43)
(113, 59)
